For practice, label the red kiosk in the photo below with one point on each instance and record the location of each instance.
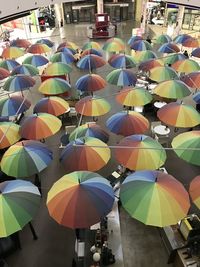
(103, 28)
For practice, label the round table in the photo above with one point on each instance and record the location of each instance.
(159, 104)
(161, 130)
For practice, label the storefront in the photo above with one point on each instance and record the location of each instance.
(191, 20)
(119, 11)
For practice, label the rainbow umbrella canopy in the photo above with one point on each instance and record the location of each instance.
(68, 44)
(163, 38)
(192, 80)
(90, 83)
(179, 115)
(154, 198)
(18, 83)
(150, 64)
(38, 49)
(68, 50)
(54, 86)
(9, 134)
(141, 45)
(173, 89)
(62, 57)
(122, 61)
(85, 153)
(169, 48)
(186, 66)
(26, 158)
(172, 58)
(114, 45)
(9, 64)
(140, 152)
(191, 42)
(121, 77)
(196, 52)
(187, 146)
(19, 202)
(39, 126)
(12, 52)
(12, 105)
(160, 74)
(91, 51)
(36, 60)
(134, 97)
(196, 97)
(89, 129)
(45, 41)
(25, 69)
(127, 123)
(140, 56)
(4, 73)
(134, 38)
(179, 39)
(194, 190)
(58, 68)
(92, 106)
(22, 43)
(91, 45)
(90, 62)
(80, 199)
(53, 105)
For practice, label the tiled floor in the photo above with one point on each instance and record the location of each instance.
(142, 245)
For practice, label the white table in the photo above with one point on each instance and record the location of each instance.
(161, 130)
(139, 109)
(159, 104)
(151, 87)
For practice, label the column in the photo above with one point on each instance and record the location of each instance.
(181, 11)
(138, 10)
(100, 8)
(59, 14)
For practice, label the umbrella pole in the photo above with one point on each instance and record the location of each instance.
(35, 237)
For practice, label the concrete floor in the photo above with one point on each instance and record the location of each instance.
(142, 245)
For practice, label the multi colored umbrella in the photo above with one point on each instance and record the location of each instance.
(154, 198)
(196, 52)
(89, 129)
(21, 43)
(114, 45)
(140, 152)
(121, 77)
(127, 123)
(122, 61)
(90, 83)
(134, 97)
(53, 105)
(26, 158)
(62, 57)
(194, 190)
(36, 60)
(91, 45)
(179, 39)
(92, 106)
(54, 86)
(141, 45)
(80, 199)
(46, 42)
(86, 153)
(67, 44)
(90, 62)
(196, 97)
(9, 134)
(179, 115)
(18, 83)
(169, 48)
(9, 64)
(172, 58)
(186, 146)
(4, 73)
(38, 49)
(12, 52)
(191, 42)
(19, 202)
(163, 38)
(174, 89)
(91, 51)
(40, 126)
(192, 79)
(57, 68)
(67, 50)
(160, 74)
(141, 56)
(186, 66)
(150, 64)
(12, 105)
(133, 39)
(25, 69)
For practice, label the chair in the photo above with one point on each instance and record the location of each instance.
(73, 113)
(163, 140)
(69, 129)
(153, 125)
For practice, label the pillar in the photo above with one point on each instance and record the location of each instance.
(100, 8)
(138, 10)
(59, 14)
(181, 11)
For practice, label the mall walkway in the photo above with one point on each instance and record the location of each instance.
(142, 245)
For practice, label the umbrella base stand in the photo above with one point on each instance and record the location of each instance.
(35, 237)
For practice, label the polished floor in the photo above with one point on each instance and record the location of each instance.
(142, 245)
